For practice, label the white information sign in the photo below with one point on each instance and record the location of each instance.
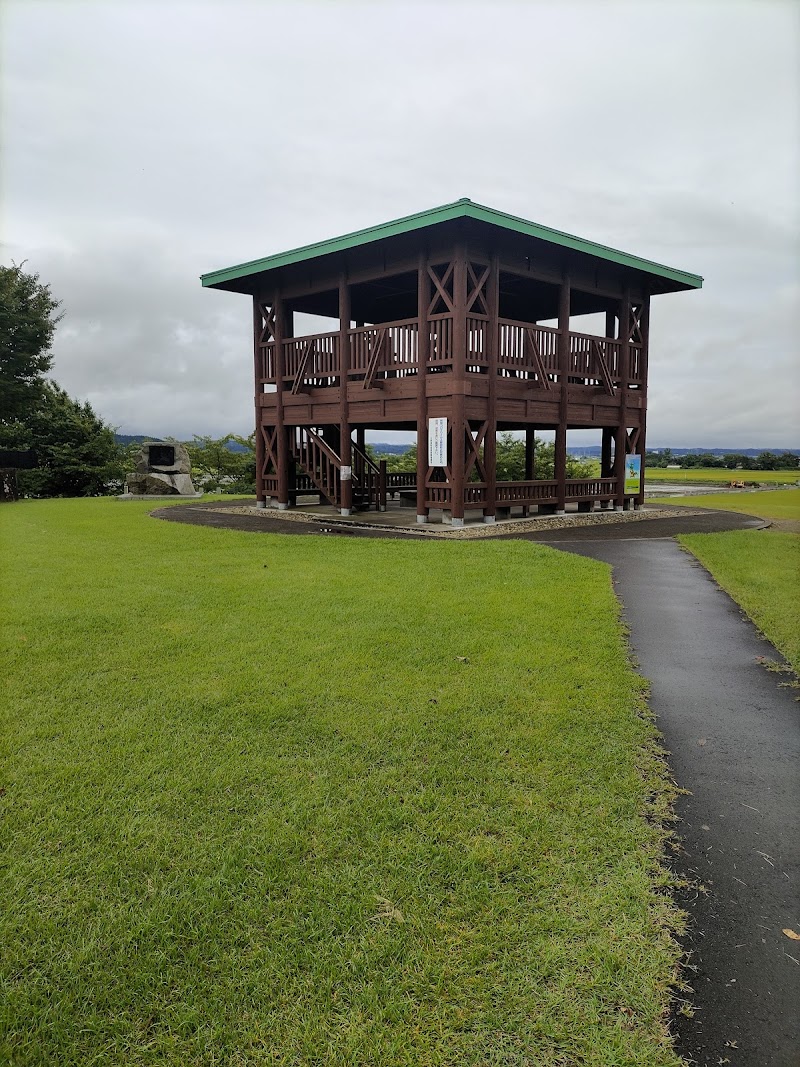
(437, 442)
(346, 473)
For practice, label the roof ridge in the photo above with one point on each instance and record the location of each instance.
(463, 208)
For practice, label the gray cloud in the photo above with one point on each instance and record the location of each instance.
(145, 144)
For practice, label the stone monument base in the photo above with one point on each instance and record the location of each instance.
(159, 496)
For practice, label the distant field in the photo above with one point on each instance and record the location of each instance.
(714, 476)
(761, 571)
(311, 800)
(772, 504)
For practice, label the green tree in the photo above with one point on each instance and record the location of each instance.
(658, 459)
(27, 323)
(510, 460)
(76, 451)
(787, 461)
(220, 469)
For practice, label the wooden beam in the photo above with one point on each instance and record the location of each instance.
(560, 456)
(457, 435)
(621, 438)
(282, 442)
(378, 345)
(345, 430)
(530, 340)
(643, 410)
(258, 330)
(602, 367)
(297, 384)
(423, 344)
(493, 344)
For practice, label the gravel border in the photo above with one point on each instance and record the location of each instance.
(539, 523)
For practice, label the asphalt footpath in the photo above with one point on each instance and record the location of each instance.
(733, 734)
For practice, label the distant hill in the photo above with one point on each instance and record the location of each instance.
(384, 448)
(721, 451)
(132, 438)
(140, 438)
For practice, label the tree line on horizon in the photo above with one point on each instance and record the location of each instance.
(764, 461)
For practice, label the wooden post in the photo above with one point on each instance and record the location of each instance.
(530, 452)
(490, 440)
(382, 485)
(423, 344)
(459, 374)
(345, 440)
(530, 461)
(282, 441)
(560, 456)
(606, 461)
(643, 373)
(261, 495)
(606, 470)
(621, 439)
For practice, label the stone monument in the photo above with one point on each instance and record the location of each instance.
(163, 468)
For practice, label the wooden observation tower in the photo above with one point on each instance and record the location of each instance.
(456, 323)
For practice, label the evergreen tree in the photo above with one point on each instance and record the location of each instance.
(76, 451)
(27, 324)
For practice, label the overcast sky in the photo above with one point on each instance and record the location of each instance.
(146, 143)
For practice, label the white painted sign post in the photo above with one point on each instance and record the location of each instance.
(437, 442)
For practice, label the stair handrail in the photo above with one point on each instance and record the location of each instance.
(368, 461)
(322, 445)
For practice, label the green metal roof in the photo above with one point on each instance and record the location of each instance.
(459, 209)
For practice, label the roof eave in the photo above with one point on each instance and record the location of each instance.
(679, 279)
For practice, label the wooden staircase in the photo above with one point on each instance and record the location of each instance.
(323, 466)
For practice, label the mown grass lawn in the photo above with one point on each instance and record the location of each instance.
(761, 571)
(759, 568)
(322, 801)
(716, 475)
(771, 504)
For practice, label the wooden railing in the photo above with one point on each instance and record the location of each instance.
(525, 351)
(315, 357)
(319, 461)
(477, 342)
(440, 341)
(401, 480)
(530, 492)
(586, 354)
(638, 372)
(520, 344)
(591, 488)
(390, 349)
(475, 494)
(368, 489)
(438, 495)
